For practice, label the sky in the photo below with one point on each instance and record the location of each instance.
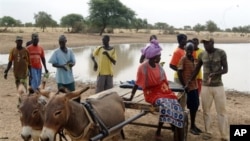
(177, 13)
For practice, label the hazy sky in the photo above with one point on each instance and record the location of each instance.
(178, 13)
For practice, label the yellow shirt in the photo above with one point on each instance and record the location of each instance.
(105, 66)
(197, 53)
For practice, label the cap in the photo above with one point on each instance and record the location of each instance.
(19, 38)
(62, 38)
(206, 39)
(34, 35)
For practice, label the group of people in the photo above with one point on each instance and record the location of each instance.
(186, 61)
(27, 64)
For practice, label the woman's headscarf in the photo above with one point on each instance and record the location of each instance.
(152, 50)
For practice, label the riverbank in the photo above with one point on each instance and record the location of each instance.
(49, 40)
(10, 127)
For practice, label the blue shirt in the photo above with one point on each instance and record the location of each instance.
(61, 58)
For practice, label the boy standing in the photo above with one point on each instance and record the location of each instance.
(186, 67)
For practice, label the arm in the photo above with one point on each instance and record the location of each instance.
(7, 69)
(179, 72)
(196, 71)
(224, 69)
(60, 66)
(142, 58)
(173, 67)
(95, 63)
(44, 64)
(110, 58)
(132, 93)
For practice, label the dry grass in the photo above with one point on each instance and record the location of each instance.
(49, 38)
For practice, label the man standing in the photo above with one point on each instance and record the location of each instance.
(36, 57)
(106, 59)
(214, 63)
(63, 59)
(19, 56)
(30, 42)
(177, 55)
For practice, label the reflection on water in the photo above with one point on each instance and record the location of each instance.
(128, 61)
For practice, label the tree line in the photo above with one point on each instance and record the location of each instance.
(107, 15)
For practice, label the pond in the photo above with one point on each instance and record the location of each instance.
(128, 55)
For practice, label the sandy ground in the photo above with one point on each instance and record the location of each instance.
(10, 126)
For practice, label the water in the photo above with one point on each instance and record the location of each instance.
(237, 77)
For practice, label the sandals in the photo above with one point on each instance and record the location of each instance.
(197, 129)
(194, 131)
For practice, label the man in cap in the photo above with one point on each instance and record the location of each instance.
(214, 63)
(63, 59)
(37, 58)
(19, 57)
(152, 79)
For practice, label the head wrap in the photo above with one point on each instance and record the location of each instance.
(180, 37)
(152, 50)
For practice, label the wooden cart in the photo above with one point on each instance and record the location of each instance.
(144, 108)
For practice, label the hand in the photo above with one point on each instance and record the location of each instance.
(46, 71)
(186, 89)
(71, 64)
(30, 77)
(212, 75)
(95, 67)
(5, 74)
(65, 67)
(105, 53)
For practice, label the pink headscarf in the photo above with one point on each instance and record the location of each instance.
(152, 50)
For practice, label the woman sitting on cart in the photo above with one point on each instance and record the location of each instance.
(152, 79)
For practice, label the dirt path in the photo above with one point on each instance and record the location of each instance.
(10, 128)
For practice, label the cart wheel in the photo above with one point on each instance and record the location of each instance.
(180, 134)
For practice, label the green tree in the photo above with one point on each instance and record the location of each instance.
(42, 19)
(18, 23)
(73, 21)
(211, 26)
(198, 28)
(139, 23)
(28, 24)
(7, 21)
(162, 27)
(111, 13)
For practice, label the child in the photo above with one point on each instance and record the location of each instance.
(186, 67)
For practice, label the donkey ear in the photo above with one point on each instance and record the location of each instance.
(76, 93)
(43, 92)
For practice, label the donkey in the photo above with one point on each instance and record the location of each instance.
(63, 113)
(29, 108)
